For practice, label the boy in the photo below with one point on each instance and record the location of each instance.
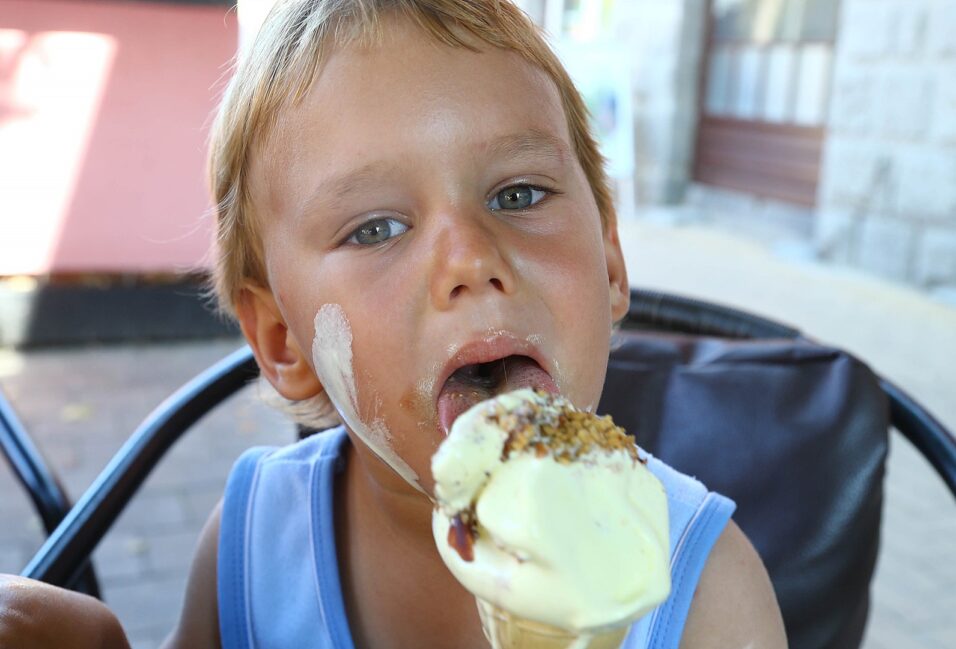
(406, 190)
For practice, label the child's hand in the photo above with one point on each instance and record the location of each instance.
(34, 615)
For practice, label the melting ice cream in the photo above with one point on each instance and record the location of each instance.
(549, 514)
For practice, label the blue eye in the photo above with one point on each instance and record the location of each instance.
(516, 197)
(377, 231)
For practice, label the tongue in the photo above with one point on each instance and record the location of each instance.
(455, 399)
(458, 394)
(522, 372)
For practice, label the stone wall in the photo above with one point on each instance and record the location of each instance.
(664, 40)
(887, 197)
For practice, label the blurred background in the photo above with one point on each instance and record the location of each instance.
(795, 158)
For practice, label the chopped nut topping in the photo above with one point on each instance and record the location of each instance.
(554, 427)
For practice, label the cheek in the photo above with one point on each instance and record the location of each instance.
(578, 297)
(576, 280)
(588, 356)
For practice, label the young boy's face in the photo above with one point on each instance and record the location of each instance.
(433, 195)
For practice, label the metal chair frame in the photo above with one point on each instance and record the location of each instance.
(48, 496)
(654, 311)
(73, 541)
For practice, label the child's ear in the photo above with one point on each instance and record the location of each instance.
(280, 359)
(620, 291)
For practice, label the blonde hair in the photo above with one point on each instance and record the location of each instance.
(279, 69)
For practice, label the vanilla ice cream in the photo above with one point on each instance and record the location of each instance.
(550, 514)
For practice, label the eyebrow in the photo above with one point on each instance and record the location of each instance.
(527, 144)
(334, 190)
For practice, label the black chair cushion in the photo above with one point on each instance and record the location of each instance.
(796, 434)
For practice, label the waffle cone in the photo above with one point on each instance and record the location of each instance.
(507, 631)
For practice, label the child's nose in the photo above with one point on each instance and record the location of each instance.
(468, 260)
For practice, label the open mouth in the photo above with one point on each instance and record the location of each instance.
(476, 382)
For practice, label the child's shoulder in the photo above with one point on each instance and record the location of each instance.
(325, 445)
(734, 604)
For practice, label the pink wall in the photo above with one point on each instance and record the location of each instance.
(104, 113)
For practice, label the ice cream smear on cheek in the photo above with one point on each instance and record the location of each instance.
(332, 356)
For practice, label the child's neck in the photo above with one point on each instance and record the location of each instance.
(404, 509)
(397, 590)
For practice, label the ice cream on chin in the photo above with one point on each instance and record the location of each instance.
(548, 514)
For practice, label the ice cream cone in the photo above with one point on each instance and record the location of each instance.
(550, 517)
(507, 631)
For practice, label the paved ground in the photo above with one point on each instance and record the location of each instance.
(81, 404)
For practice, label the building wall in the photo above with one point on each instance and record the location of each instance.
(662, 43)
(104, 112)
(664, 39)
(887, 197)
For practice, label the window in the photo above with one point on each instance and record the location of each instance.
(766, 91)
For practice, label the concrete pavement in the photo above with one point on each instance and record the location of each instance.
(81, 403)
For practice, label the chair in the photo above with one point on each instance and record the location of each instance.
(795, 416)
(668, 380)
(38, 480)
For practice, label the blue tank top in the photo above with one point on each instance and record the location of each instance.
(278, 576)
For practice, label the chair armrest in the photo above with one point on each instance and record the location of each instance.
(930, 438)
(74, 540)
